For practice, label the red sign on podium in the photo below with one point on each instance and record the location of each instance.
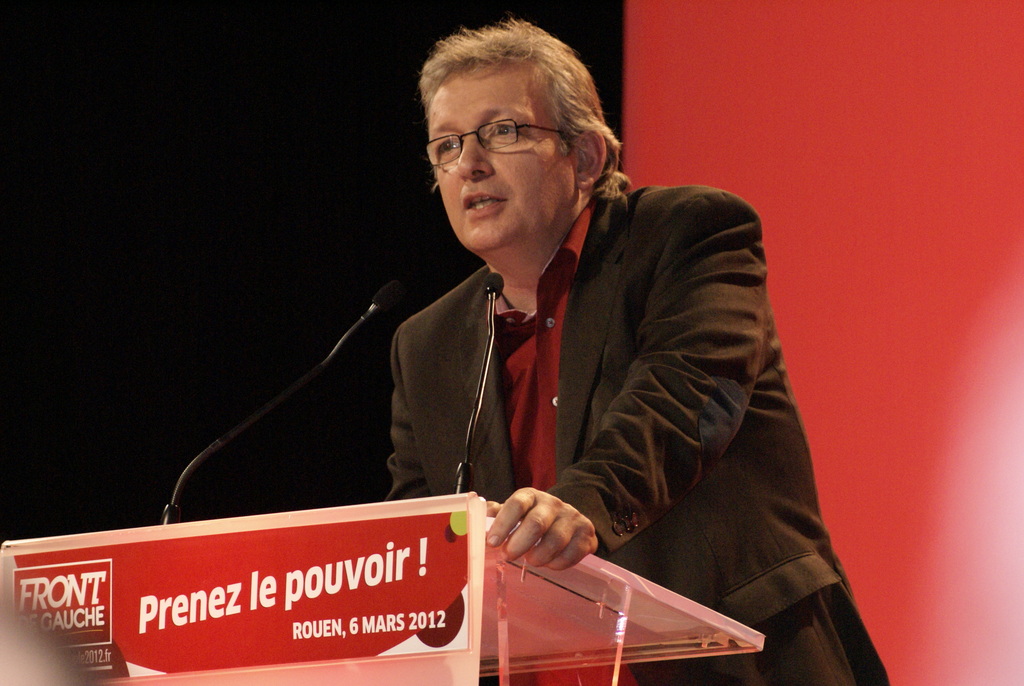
(264, 591)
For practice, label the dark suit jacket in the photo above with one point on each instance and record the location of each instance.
(678, 434)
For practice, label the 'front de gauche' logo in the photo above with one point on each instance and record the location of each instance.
(70, 600)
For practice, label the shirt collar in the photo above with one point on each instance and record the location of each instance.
(568, 252)
(573, 241)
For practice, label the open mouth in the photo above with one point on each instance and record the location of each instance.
(479, 202)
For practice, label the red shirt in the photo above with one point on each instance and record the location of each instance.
(530, 344)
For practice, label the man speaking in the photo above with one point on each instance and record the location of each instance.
(640, 408)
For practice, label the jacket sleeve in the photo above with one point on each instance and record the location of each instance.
(691, 330)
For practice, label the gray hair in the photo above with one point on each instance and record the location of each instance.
(572, 94)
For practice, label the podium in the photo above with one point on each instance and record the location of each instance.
(366, 594)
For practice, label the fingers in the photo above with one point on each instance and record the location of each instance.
(543, 528)
(510, 514)
(558, 555)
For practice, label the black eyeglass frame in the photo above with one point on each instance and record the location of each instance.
(481, 140)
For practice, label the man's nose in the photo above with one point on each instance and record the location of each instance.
(475, 158)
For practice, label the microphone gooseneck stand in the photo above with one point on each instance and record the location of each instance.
(493, 285)
(386, 298)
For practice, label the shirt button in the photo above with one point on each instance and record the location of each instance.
(550, 322)
(554, 401)
(510, 320)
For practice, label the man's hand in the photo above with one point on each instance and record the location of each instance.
(551, 533)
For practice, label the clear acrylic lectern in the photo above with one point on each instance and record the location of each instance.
(401, 592)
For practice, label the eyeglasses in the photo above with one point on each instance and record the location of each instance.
(445, 150)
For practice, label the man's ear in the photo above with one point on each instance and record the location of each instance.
(591, 152)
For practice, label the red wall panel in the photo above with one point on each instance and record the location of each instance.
(883, 144)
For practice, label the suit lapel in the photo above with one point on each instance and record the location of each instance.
(490, 453)
(586, 327)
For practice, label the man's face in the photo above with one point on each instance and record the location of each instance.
(514, 203)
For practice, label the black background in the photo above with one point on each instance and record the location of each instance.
(199, 200)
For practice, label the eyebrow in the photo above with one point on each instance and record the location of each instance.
(488, 117)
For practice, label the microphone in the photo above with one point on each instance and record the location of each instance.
(493, 285)
(386, 298)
